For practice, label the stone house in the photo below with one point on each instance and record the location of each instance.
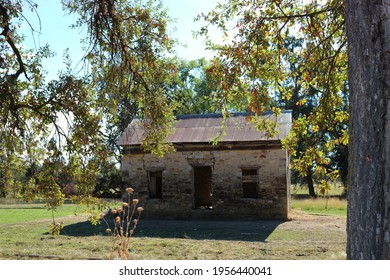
(244, 176)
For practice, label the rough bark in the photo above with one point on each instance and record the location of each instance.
(310, 184)
(368, 33)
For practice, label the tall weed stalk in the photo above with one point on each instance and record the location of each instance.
(125, 220)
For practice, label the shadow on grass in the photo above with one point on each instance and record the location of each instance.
(256, 231)
(83, 229)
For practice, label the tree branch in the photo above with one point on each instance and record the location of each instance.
(303, 15)
(6, 33)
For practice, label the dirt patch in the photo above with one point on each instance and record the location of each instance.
(299, 219)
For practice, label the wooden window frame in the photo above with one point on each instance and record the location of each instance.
(250, 182)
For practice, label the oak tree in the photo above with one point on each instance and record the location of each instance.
(251, 68)
(72, 118)
(258, 68)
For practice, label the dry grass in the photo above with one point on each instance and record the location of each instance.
(321, 205)
(305, 237)
(316, 231)
(302, 190)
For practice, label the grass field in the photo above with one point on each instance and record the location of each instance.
(321, 206)
(15, 213)
(315, 232)
(330, 204)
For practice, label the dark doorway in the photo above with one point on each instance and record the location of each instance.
(202, 187)
(155, 184)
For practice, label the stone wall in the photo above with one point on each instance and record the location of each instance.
(227, 194)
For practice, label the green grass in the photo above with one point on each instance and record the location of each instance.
(176, 240)
(321, 206)
(331, 204)
(16, 213)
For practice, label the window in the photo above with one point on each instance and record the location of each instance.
(249, 183)
(155, 184)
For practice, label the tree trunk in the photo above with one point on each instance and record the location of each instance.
(310, 183)
(368, 33)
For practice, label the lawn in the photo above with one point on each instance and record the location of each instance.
(321, 206)
(16, 213)
(330, 204)
(315, 232)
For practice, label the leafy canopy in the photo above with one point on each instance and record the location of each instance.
(276, 54)
(287, 54)
(72, 120)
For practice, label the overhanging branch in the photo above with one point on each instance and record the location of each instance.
(8, 38)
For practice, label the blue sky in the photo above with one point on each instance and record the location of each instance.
(55, 30)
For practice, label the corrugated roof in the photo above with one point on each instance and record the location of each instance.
(202, 128)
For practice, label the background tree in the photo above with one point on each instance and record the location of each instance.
(303, 103)
(109, 181)
(192, 89)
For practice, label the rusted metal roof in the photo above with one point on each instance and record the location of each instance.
(203, 128)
